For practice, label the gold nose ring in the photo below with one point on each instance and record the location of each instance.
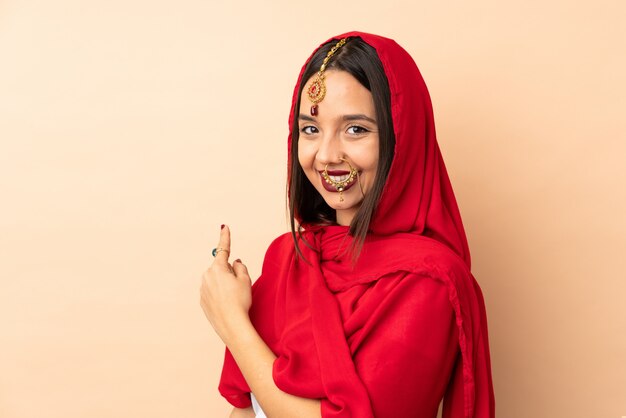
(340, 185)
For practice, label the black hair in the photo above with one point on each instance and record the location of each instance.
(361, 61)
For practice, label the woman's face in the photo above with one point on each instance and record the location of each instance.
(345, 127)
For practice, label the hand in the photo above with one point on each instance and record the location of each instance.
(226, 291)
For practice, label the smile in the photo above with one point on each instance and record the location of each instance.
(337, 178)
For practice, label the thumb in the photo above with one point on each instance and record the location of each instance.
(241, 271)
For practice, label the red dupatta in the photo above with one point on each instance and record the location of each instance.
(346, 335)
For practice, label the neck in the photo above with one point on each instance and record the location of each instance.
(345, 216)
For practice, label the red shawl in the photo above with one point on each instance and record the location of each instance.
(404, 328)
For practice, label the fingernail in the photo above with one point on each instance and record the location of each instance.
(238, 260)
(222, 227)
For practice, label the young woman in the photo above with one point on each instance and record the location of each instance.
(367, 307)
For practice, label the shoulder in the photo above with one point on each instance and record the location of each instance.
(413, 285)
(279, 243)
(422, 264)
(434, 268)
(421, 254)
(277, 252)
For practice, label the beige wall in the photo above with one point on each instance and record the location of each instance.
(130, 130)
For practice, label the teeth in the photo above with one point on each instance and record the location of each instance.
(339, 178)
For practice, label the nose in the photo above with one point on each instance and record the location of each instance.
(329, 151)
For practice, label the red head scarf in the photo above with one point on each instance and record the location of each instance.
(405, 326)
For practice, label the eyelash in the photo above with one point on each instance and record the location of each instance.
(304, 128)
(361, 129)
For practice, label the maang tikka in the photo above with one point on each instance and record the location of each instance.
(317, 89)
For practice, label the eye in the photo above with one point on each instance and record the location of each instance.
(356, 130)
(308, 130)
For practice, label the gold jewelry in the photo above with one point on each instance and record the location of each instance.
(340, 185)
(358, 179)
(217, 250)
(317, 89)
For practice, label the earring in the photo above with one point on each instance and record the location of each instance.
(340, 185)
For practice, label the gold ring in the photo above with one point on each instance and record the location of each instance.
(217, 250)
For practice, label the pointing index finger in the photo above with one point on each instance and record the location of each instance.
(225, 244)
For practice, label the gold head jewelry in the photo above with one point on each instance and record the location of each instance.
(340, 185)
(317, 89)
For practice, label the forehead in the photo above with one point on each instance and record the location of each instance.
(344, 94)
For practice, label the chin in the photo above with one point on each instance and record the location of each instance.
(333, 201)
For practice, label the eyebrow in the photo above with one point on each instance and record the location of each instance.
(358, 116)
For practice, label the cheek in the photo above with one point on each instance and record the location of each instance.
(305, 155)
(301, 158)
(374, 150)
(367, 157)
(306, 158)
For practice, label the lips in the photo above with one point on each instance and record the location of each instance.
(333, 173)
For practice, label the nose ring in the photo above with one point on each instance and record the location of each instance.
(340, 185)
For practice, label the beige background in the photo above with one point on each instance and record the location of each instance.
(130, 130)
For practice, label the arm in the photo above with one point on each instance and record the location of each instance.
(409, 347)
(255, 360)
(225, 297)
